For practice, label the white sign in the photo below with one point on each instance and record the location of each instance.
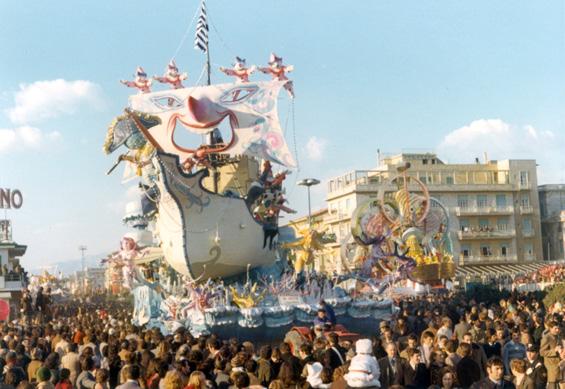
(11, 198)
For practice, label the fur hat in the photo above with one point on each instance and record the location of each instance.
(364, 346)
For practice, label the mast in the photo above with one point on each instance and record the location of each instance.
(210, 141)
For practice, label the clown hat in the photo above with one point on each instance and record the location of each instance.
(273, 59)
(139, 72)
(172, 65)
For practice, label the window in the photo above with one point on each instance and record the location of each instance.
(528, 249)
(462, 201)
(484, 223)
(482, 201)
(465, 251)
(464, 225)
(502, 224)
(485, 251)
(500, 201)
(527, 225)
(449, 180)
(524, 178)
(347, 204)
(525, 200)
(503, 250)
(424, 162)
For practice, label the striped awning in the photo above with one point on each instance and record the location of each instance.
(510, 269)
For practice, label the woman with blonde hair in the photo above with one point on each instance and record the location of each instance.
(173, 380)
(197, 380)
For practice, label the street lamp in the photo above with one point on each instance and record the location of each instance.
(308, 182)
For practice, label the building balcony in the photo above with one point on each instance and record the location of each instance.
(481, 259)
(475, 233)
(465, 211)
(526, 209)
(528, 233)
(523, 186)
(11, 282)
(336, 217)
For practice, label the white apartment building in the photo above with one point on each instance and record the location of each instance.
(493, 205)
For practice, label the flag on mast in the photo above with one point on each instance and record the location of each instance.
(201, 39)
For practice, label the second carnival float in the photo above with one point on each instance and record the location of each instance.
(206, 251)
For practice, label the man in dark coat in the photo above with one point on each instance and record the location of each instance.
(294, 362)
(412, 373)
(495, 376)
(389, 367)
(334, 356)
(468, 371)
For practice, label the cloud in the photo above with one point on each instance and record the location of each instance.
(502, 140)
(43, 100)
(315, 148)
(24, 137)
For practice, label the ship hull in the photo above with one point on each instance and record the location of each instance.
(205, 234)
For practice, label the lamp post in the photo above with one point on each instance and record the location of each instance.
(308, 182)
(82, 249)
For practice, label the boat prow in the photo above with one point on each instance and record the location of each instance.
(205, 234)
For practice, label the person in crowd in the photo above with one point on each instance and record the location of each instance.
(364, 369)
(468, 371)
(43, 377)
(64, 381)
(513, 350)
(495, 377)
(550, 350)
(521, 379)
(535, 368)
(322, 320)
(448, 378)
(388, 366)
(330, 313)
(412, 373)
(334, 356)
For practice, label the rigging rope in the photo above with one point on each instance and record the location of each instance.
(186, 33)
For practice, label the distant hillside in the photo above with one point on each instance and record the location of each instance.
(69, 266)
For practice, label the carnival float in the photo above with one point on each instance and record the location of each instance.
(204, 249)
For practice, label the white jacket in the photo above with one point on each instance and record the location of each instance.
(364, 369)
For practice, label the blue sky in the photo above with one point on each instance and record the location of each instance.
(452, 76)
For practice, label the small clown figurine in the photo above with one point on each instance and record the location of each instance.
(278, 72)
(239, 70)
(141, 82)
(172, 76)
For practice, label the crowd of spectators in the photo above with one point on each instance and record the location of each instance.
(434, 341)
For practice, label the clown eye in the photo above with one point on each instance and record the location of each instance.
(238, 94)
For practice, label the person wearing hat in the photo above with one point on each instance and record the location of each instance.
(314, 376)
(364, 369)
(43, 377)
(535, 368)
